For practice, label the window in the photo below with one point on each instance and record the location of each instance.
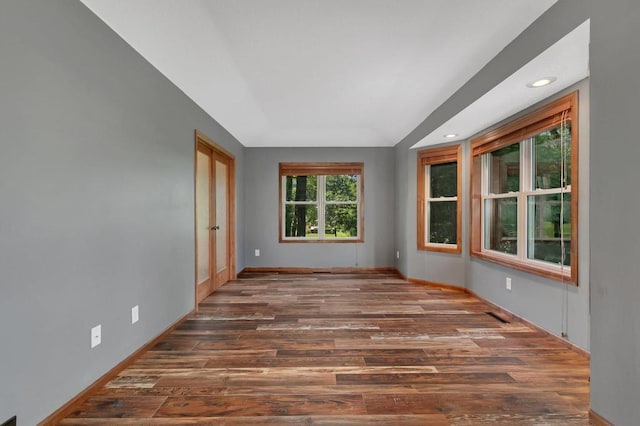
(524, 180)
(321, 202)
(439, 201)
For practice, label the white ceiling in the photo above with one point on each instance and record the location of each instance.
(319, 72)
(567, 60)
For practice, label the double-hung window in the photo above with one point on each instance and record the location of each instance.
(439, 199)
(321, 202)
(524, 184)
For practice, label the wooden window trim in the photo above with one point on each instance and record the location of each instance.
(428, 157)
(535, 122)
(316, 169)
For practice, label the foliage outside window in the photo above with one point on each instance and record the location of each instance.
(439, 201)
(524, 179)
(321, 202)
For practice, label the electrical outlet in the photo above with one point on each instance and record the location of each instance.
(96, 336)
(257, 252)
(508, 283)
(398, 254)
(135, 314)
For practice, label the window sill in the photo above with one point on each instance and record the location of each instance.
(441, 248)
(530, 267)
(323, 241)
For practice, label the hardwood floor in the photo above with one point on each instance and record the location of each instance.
(346, 350)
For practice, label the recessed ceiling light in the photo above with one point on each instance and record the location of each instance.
(450, 135)
(541, 82)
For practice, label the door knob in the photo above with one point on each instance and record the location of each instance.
(215, 227)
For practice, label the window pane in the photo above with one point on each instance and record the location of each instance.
(444, 180)
(341, 221)
(504, 170)
(301, 220)
(342, 188)
(203, 215)
(547, 157)
(547, 228)
(301, 188)
(442, 222)
(221, 215)
(501, 225)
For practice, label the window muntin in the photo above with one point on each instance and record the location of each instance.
(322, 202)
(523, 178)
(439, 179)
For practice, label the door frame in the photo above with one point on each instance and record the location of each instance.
(231, 210)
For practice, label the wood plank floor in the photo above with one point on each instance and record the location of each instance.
(338, 349)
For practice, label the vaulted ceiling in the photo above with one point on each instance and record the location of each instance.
(319, 72)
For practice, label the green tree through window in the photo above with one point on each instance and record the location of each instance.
(321, 204)
(438, 199)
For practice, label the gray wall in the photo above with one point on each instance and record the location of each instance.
(615, 211)
(261, 210)
(403, 225)
(96, 202)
